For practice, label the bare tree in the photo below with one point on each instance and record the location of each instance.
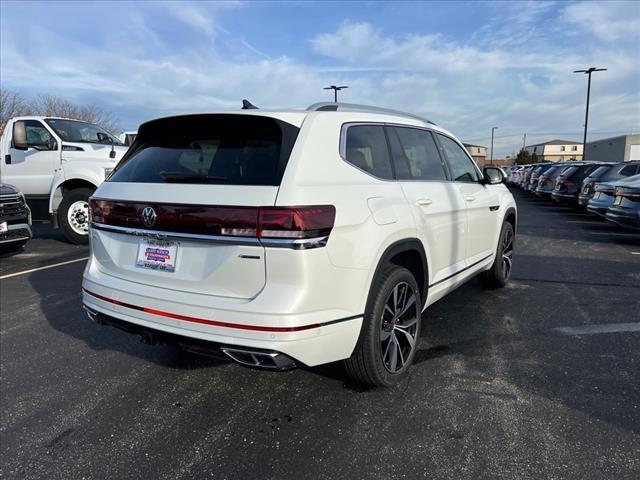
(13, 104)
(52, 105)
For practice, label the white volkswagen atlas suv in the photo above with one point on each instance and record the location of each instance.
(284, 238)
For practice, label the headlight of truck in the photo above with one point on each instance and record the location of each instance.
(107, 173)
(21, 198)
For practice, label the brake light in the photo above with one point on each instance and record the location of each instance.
(633, 196)
(299, 222)
(296, 222)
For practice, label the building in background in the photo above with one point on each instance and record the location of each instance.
(502, 162)
(615, 149)
(556, 150)
(478, 152)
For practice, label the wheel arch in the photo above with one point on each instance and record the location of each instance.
(410, 254)
(511, 217)
(400, 252)
(66, 186)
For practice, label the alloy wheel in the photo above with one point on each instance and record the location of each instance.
(399, 327)
(507, 253)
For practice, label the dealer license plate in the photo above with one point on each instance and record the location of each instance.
(157, 254)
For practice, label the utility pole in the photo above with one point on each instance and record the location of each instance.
(586, 115)
(492, 130)
(335, 89)
(524, 140)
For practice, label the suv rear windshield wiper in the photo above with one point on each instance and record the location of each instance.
(186, 177)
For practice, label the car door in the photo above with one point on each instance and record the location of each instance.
(438, 208)
(31, 170)
(482, 201)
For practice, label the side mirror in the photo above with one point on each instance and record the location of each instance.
(493, 175)
(19, 137)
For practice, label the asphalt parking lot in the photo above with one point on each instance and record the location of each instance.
(539, 380)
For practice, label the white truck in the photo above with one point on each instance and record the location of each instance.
(57, 163)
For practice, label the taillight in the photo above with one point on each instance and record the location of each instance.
(299, 222)
(296, 222)
(633, 196)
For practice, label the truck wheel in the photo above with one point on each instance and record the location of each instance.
(391, 329)
(73, 215)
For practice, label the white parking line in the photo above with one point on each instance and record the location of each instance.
(635, 253)
(590, 222)
(629, 234)
(601, 328)
(43, 268)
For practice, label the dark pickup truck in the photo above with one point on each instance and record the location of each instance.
(15, 219)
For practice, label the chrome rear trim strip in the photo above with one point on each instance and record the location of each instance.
(160, 235)
(292, 243)
(295, 243)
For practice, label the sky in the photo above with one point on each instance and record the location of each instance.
(467, 66)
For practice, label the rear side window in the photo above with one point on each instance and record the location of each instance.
(628, 170)
(201, 149)
(588, 170)
(366, 148)
(460, 165)
(415, 154)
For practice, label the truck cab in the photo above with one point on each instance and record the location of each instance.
(58, 163)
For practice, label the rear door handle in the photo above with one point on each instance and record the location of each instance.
(423, 202)
(469, 198)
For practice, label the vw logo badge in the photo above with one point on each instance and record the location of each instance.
(148, 216)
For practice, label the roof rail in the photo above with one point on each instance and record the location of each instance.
(354, 107)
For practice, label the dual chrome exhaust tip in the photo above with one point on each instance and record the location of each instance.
(259, 359)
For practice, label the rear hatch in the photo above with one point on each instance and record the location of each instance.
(180, 211)
(546, 179)
(570, 181)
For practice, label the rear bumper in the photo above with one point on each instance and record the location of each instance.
(543, 193)
(564, 198)
(18, 232)
(583, 200)
(625, 217)
(310, 339)
(150, 336)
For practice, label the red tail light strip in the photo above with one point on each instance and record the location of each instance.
(294, 222)
(213, 323)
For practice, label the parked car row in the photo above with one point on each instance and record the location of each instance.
(611, 190)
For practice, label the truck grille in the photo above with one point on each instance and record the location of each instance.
(11, 205)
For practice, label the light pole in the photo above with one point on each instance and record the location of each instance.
(335, 89)
(493, 129)
(586, 115)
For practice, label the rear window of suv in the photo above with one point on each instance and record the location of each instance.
(209, 149)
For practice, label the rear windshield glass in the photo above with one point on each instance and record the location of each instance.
(598, 172)
(209, 149)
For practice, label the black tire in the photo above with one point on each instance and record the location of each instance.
(369, 364)
(498, 275)
(68, 200)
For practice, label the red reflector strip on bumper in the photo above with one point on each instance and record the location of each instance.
(203, 321)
